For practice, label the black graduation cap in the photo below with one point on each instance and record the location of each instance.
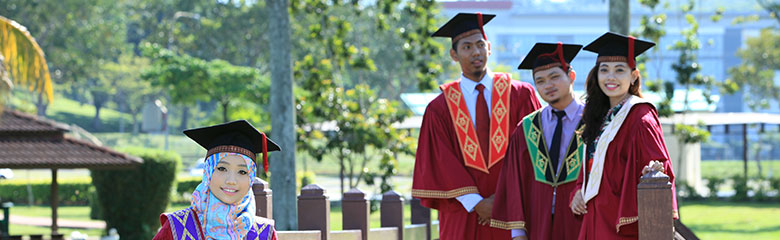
(546, 55)
(236, 136)
(611, 46)
(462, 23)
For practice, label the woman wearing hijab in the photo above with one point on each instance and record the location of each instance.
(223, 207)
(624, 141)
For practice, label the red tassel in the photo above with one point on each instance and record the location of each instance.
(479, 20)
(265, 153)
(559, 49)
(630, 56)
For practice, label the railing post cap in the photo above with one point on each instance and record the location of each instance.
(259, 184)
(312, 190)
(354, 194)
(654, 177)
(391, 196)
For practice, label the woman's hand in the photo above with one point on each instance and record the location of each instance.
(578, 206)
(653, 166)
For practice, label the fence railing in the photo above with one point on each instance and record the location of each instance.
(653, 195)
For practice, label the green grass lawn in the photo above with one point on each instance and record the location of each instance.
(80, 213)
(729, 168)
(714, 220)
(28, 230)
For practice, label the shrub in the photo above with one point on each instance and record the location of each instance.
(713, 184)
(740, 188)
(132, 199)
(71, 192)
(774, 183)
(687, 191)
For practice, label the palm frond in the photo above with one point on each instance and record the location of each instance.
(24, 60)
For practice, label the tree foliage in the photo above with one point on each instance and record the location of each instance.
(756, 74)
(187, 79)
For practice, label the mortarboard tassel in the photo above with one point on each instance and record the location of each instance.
(265, 153)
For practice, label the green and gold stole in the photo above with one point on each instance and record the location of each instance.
(544, 171)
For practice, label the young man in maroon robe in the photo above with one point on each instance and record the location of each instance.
(464, 135)
(624, 140)
(545, 154)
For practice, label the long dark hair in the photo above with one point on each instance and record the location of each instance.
(597, 104)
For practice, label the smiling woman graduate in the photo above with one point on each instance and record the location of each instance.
(223, 207)
(624, 140)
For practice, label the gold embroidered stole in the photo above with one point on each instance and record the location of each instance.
(465, 131)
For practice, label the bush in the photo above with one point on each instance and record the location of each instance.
(713, 184)
(305, 178)
(69, 192)
(687, 191)
(760, 190)
(774, 183)
(740, 187)
(132, 199)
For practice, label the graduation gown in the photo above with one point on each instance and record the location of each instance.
(184, 224)
(527, 185)
(612, 213)
(441, 172)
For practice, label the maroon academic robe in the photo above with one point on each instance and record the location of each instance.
(523, 202)
(613, 213)
(440, 174)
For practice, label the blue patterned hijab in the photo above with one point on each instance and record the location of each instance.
(218, 219)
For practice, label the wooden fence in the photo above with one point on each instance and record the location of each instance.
(653, 194)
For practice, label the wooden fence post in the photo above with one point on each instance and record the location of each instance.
(654, 203)
(392, 212)
(263, 198)
(355, 211)
(314, 210)
(421, 215)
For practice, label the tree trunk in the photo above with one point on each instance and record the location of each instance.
(96, 120)
(185, 115)
(283, 117)
(619, 17)
(41, 105)
(135, 123)
(224, 111)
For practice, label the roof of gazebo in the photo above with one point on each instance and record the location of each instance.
(28, 141)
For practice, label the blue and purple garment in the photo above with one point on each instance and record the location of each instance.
(209, 218)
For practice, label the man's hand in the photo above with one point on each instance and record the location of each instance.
(484, 210)
(520, 238)
(578, 206)
(653, 166)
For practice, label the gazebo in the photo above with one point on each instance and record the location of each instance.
(31, 142)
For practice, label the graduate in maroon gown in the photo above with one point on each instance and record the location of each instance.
(545, 154)
(624, 140)
(464, 135)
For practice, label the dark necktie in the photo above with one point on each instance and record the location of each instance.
(555, 147)
(483, 122)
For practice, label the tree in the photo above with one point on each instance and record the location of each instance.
(189, 79)
(131, 92)
(619, 16)
(22, 60)
(756, 74)
(77, 36)
(283, 119)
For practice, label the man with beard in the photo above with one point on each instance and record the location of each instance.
(464, 135)
(545, 154)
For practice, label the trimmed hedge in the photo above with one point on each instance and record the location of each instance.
(132, 200)
(70, 192)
